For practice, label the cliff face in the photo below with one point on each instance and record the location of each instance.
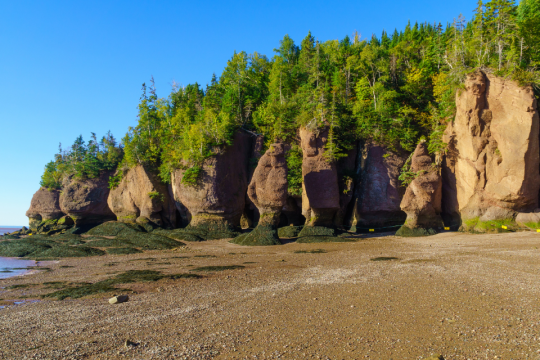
(378, 194)
(422, 200)
(492, 168)
(219, 195)
(45, 205)
(141, 194)
(491, 171)
(85, 201)
(320, 195)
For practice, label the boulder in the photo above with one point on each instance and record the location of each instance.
(268, 192)
(377, 192)
(45, 205)
(219, 195)
(141, 194)
(493, 150)
(529, 219)
(118, 299)
(320, 189)
(422, 200)
(85, 201)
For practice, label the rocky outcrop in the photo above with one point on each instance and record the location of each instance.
(141, 194)
(219, 195)
(85, 201)
(320, 190)
(45, 205)
(492, 168)
(377, 192)
(268, 187)
(268, 192)
(422, 200)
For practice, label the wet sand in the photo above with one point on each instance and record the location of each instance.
(459, 295)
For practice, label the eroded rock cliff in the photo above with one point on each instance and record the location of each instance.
(268, 192)
(142, 194)
(491, 171)
(320, 190)
(85, 201)
(422, 200)
(219, 195)
(45, 205)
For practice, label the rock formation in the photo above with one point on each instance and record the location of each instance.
(219, 195)
(268, 192)
(491, 171)
(268, 187)
(422, 200)
(320, 190)
(45, 205)
(377, 192)
(85, 201)
(141, 194)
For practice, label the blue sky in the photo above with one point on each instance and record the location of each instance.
(74, 67)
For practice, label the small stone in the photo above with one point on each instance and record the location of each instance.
(118, 299)
(130, 343)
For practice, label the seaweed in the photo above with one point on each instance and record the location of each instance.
(384, 258)
(218, 268)
(115, 228)
(316, 251)
(108, 285)
(260, 236)
(123, 251)
(406, 231)
(289, 231)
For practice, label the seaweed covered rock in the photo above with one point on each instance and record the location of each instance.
(289, 231)
(217, 195)
(201, 232)
(493, 156)
(45, 205)
(85, 201)
(377, 192)
(262, 235)
(320, 190)
(422, 200)
(114, 228)
(141, 194)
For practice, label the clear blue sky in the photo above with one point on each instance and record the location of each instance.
(75, 67)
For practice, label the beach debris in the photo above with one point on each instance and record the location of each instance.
(118, 299)
(130, 343)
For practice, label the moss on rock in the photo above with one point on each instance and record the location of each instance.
(261, 236)
(406, 231)
(289, 231)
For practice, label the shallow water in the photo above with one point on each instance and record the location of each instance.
(13, 267)
(8, 229)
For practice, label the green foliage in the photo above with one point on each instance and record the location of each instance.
(83, 160)
(156, 195)
(191, 176)
(294, 174)
(394, 89)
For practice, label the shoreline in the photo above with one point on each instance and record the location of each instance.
(459, 295)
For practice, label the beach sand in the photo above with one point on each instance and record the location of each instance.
(459, 295)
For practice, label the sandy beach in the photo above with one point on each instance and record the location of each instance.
(459, 295)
